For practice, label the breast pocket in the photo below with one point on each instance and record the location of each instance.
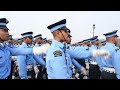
(4, 57)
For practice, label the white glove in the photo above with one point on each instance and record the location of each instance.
(83, 71)
(101, 52)
(36, 70)
(95, 53)
(14, 58)
(105, 53)
(41, 49)
(77, 75)
(87, 66)
(85, 77)
(74, 70)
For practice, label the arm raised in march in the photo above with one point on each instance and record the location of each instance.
(80, 53)
(39, 60)
(25, 51)
(76, 64)
(21, 51)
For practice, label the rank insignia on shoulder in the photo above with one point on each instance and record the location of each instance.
(57, 53)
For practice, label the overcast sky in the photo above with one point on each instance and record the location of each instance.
(79, 22)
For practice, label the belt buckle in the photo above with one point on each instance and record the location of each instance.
(108, 71)
(93, 63)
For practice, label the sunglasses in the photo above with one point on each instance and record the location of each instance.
(30, 37)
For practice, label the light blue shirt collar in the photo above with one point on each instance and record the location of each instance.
(93, 46)
(61, 45)
(2, 46)
(110, 44)
(24, 43)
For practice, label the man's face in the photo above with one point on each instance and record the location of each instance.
(88, 44)
(38, 40)
(4, 35)
(64, 35)
(115, 40)
(69, 40)
(85, 43)
(97, 42)
(10, 41)
(29, 40)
